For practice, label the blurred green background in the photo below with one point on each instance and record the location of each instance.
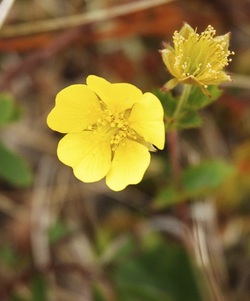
(65, 240)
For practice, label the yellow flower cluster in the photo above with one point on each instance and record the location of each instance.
(197, 59)
(110, 128)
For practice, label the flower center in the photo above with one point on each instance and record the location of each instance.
(120, 128)
(114, 127)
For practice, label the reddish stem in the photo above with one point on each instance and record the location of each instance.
(175, 158)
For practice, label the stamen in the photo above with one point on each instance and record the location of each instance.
(115, 126)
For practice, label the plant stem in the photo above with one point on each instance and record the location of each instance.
(183, 99)
(88, 18)
(174, 154)
(174, 151)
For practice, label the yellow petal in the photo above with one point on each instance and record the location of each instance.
(117, 97)
(186, 31)
(224, 40)
(77, 107)
(87, 153)
(169, 60)
(129, 164)
(210, 80)
(147, 120)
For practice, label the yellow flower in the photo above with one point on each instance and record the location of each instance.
(197, 59)
(110, 129)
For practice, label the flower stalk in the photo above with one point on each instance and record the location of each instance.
(183, 98)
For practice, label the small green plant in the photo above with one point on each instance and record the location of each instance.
(13, 168)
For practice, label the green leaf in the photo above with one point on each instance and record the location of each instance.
(8, 255)
(206, 177)
(168, 196)
(197, 181)
(189, 119)
(198, 100)
(98, 293)
(39, 288)
(8, 110)
(13, 168)
(158, 272)
(189, 116)
(186, 120)
(168, 102)
(15, 297)
(57, 231)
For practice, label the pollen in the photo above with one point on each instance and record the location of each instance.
(114, 127)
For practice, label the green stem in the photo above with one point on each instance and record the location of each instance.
(183, 99)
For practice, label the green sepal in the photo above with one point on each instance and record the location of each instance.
(188, 116)
(198, 100)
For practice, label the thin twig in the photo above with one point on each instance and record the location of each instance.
(203, 240)
(40, 214)
(79, 20)
(26, 276)
(238, 81)
(29, 63)
(174, 154)
(5, 8)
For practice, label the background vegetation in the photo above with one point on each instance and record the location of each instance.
(65, 240)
